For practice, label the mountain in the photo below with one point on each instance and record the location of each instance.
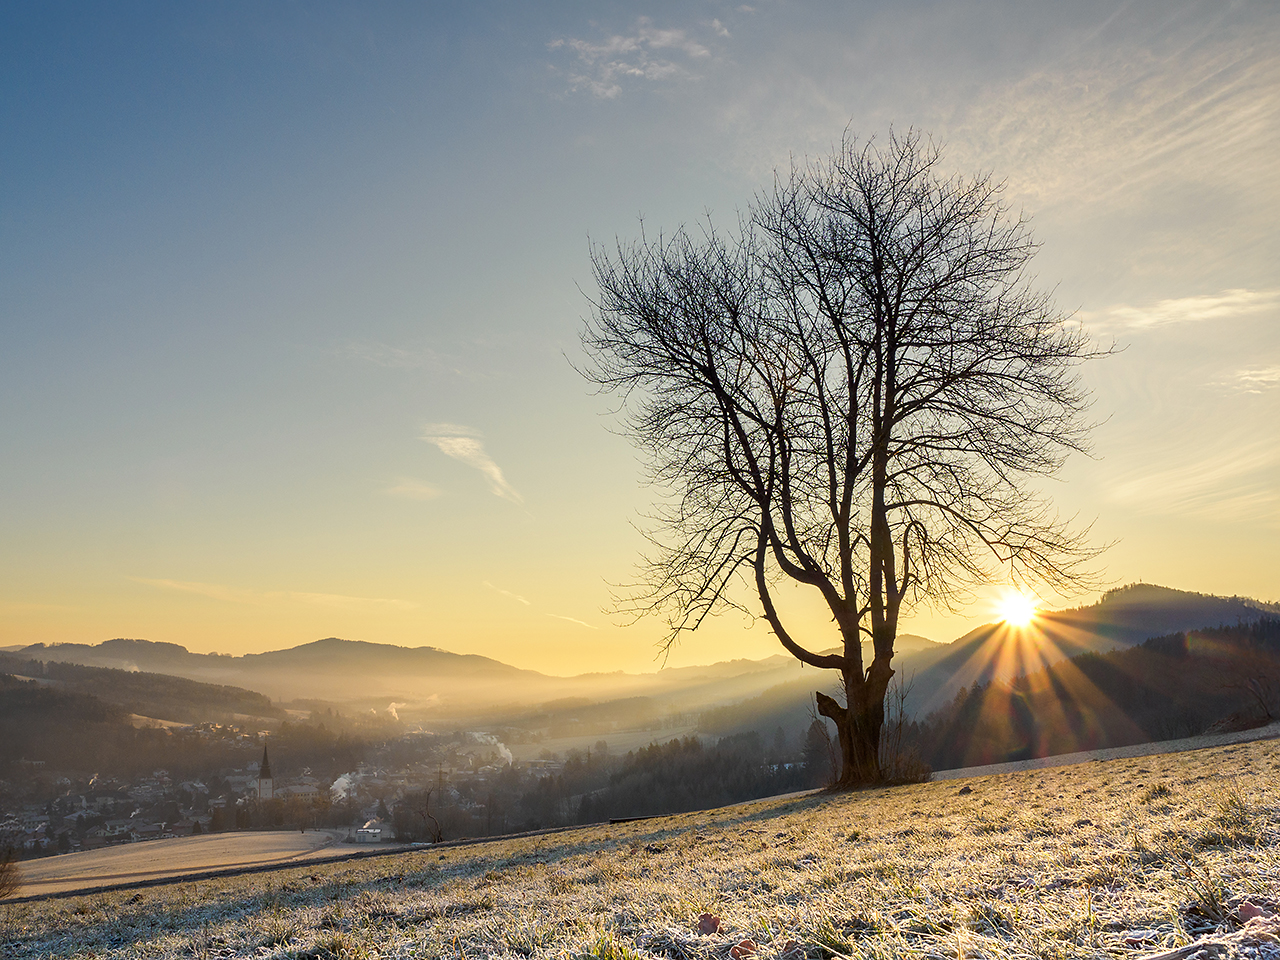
(431, 682)
(1122, 617)
(1129, 615)
(329, 669)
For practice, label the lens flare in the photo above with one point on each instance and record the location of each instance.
(1017, 609)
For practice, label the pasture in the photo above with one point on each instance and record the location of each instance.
(1123, 858)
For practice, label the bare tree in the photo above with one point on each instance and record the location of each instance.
(849, 393)
(10, 878)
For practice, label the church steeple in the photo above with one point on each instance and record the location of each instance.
(265, 784)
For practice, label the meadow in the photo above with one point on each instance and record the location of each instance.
(1128, 857)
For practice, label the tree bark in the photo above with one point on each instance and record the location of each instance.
(858, 725)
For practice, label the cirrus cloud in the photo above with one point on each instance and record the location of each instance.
(647, 53)
(463, 444)
(1226, 305)
(407, 488)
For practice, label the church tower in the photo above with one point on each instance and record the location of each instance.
(264, 777)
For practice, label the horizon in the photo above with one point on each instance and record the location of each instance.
(1034, 623)
(293, 297)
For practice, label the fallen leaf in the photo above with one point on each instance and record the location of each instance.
(1133, 938)
(1247, 911)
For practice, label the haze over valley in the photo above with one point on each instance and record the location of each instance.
(615, 481)
(505, 748)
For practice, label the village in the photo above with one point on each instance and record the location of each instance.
(59, 812)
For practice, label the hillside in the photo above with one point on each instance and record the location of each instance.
(153, 695)
(64, 730)
(329, 669)
(1130, 614)
(1166, 687)
(425, 680)
(995, 651)
(1123, 859)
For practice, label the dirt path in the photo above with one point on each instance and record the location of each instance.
(1269, 732)
(157, 859)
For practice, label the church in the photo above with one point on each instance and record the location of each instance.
(265, 786)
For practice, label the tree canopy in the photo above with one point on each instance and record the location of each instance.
(850, 392)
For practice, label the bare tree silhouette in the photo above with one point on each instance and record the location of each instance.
(851, 394)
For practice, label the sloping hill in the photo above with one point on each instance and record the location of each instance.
(1166, 687)
(329, 669)
(447, 684)
(934, 672)
(1134, 613)
(1121, 617)
(1001, 867)
(155, 695)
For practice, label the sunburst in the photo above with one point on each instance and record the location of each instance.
(1018, 609)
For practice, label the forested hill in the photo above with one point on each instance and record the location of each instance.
(326, 669)
(935, 672)
(152, 695)
(1172, 686)
(1131, 614)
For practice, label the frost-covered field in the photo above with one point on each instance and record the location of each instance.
(1123, 858)
(157, 858)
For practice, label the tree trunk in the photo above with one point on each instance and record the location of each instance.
(858, 727)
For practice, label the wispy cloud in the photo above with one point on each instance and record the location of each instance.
(409, 489)
(226, 594)
(214, 591)
(1134, 108)
(525, 602)
(1227, 305)
(395, 358)
(506, 593)
(581, 623)
(1234, 481)
(463, 444)
(647, 53)
(1258, 379)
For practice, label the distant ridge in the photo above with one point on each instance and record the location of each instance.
(328, 669)
(1122, 617)
(1136, 612)
(453, 684)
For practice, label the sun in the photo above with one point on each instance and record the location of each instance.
(1017, 609)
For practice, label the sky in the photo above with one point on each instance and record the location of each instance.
(290, 294)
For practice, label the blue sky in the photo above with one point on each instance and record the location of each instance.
(291, 292)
